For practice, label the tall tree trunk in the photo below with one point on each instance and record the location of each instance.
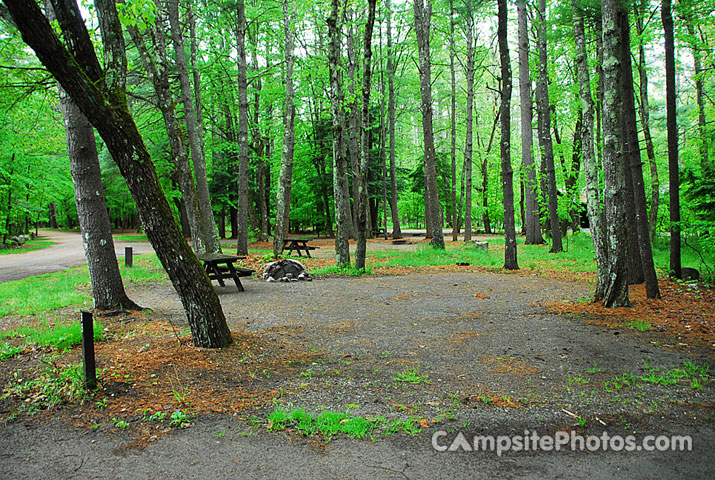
(453, 121)
(469, 130)
(635, 168)
(243, 199)
(423, 14)
(362, 225)
(102, 99)
(544, 124)
(396, 230)
(614, 168)
(158, 70)
(531, 204)
(343, 218)
(510, 260)
(107, 287)
(644, 111)
(195, 135)
(353, 145)
(673, 172)
(593, 196)
(286, 171)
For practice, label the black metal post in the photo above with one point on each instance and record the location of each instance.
(90, 366)
(128, 260)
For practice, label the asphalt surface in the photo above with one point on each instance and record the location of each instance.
(66, 252)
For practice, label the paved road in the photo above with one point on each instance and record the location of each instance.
(66, 252)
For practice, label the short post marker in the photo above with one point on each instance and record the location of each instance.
(90, 365)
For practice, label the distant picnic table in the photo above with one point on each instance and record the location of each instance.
(221, 267)
(298, 244)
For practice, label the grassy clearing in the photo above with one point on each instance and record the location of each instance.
(69, 288)
(329, 424)
(60, 336)
(27, 247)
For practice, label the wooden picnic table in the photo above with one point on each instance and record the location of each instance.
(298, 244)
(220, 267)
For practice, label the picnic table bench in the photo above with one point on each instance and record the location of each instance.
(298, 244)
(220, 267)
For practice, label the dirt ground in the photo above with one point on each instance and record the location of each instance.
(493, 356)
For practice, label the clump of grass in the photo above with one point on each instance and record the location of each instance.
(54, 385)
(411, 375)
(60, 336)
(329, 424)
(343, 271)
(8, 351)
(691, 373)
(640, 325)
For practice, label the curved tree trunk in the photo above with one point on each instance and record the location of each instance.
(102, 99)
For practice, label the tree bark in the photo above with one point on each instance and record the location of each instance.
(423, 14)
(285, 176)
(103, 102)
(593, 196)
(469, 129)
(644, 112)
(243, 199)
(633, 157)
(672, 123)
(195, 135)
(453, 122)
(107, 286)
(391, 67)
(531, 204)
(340, 167)
(614, 168)
(362, 225)
(510, 259)
(544, 126)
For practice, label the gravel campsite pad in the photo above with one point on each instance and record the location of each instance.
(477, 353)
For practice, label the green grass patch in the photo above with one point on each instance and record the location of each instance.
(60, 336)
(342, 271)
(8, 351)
(42, 293)
(411, 375)
(68, 288)
(640, 325)
(691, 373)
(130, 238)
(329, 424)
(27, 247)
